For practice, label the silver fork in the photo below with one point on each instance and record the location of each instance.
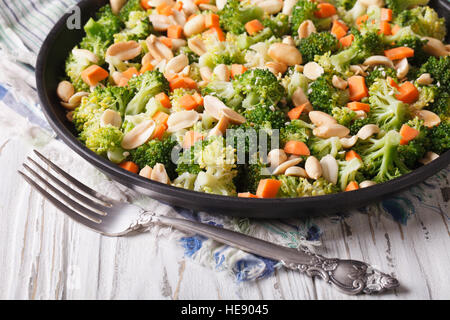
(113, 218)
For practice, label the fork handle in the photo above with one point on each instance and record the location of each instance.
(348, 276)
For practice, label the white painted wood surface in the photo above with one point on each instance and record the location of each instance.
(44, 255)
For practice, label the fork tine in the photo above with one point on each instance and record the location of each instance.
(85, 200)
(72, 214)
(74, 181)
(87, 213)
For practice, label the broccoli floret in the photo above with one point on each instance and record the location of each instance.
(322, 147)
(186, 181)
(220, 52)
(105, 141)
(100, 32)
(440, 137)
(293, 187)
(74, 66)
(99, 100)
(244, 41)
(380, 72)
(362, 47)
(357, 124)
(317, 44)
(324, 96)
(156, 151)
(279, 25)
(187, 162)
(138, 27)
(296, 130)
(415, 43)
(251, 174)
(304, 10)
(415, 150)
(259, 86)
(426, 97)
(146, 86)
(265, 116)
(128, 8)
(348, 172)
(441, 104)
(292, 80)
(224, 90)
(381, 158)
(213, 163)
(385, 110)
(343, 116)
(235, 15)
(439, 69)
(423, 21)
(398, 6)
(346, 4)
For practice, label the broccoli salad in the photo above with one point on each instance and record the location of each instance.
(262, 98)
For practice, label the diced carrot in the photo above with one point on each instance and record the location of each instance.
(253, 27)
(385, 28)
(166, 41)
(399, 53)
(145, 5)
(130, 166)
(325, 10)
(161, 117)
(237, 69)
(171, 76)
(130, 72)
(212, 20)
(219, 33)
(159, 131)
(178, 6)
(146, 67)
(165, 9)
(164, 100)
(296, 112)
(297, 148)
(175, 31)
(246, 195)
(197, 2)
(349, 155)
(188, 102)
(395, 29)
(353, 185)
(357, 88)
(408, 92)
(362, 19)
(268, 188)
(339, 29)
(198, 98)
(407, 134)
(347, 40)
(392, 83)
(356, 106)
(190, 138)
(93, 75)
(386, 14)
(182, 82)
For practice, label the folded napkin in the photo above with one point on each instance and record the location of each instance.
(23, 27)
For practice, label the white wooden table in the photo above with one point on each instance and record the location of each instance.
(44, 255)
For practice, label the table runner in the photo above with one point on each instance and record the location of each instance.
(23, 27)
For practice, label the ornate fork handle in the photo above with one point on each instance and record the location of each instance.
(348, 276)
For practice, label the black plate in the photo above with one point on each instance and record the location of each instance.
(50, 70)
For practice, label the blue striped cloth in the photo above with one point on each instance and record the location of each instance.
(23, 27)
